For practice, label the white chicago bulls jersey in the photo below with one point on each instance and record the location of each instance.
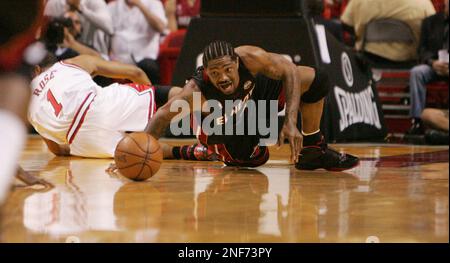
(68, 107)
(57, 95)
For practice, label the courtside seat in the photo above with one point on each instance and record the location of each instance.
(379, 63)
(393, 92)
(392, 77)
(168, 54)
(388, 30)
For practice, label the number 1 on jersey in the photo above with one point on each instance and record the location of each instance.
(55, 104)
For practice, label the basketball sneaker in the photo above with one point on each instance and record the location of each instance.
(417, 128)
(195, 152)
(202, 153)
(321, 156)
(435, 137)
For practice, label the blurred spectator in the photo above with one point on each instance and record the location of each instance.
(437, 120)
(433, 40)
(438, 5)
(334, 8)
(62, 37)
(316, 9)
(94, 16)
(180, 12)
(359, 13)
(138, 25)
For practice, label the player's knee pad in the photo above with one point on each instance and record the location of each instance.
(319, 87)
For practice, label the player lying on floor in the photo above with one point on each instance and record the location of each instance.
(75, 116)
(248, 73)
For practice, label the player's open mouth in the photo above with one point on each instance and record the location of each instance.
(226, 86)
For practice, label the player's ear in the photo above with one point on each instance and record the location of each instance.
(36, 71)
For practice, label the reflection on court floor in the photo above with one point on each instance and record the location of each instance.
(399, 193)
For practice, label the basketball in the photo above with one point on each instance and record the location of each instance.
(138, 156)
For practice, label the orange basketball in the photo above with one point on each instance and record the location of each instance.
(138, 156)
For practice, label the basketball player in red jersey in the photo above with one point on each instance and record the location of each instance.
(17, 32)
(250, 73)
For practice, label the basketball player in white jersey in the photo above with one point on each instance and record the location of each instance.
(77, 117)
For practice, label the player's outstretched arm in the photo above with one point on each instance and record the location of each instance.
(30, 179)
(112, 69)
(72, 43)
(275, 66)
(162, 118)
(278, 67)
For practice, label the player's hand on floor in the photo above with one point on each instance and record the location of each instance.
(31, 180)
(42, 182)
(290, 132)
(112, 168)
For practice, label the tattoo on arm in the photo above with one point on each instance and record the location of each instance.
(275, 66)
(278, 67)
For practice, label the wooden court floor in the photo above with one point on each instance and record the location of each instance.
(399, 193)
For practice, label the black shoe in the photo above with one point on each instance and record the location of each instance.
(416, 129)
(418, 139)
(200, 152)
(320, 156)
(435, 137)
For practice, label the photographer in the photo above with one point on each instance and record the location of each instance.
(94, 17)
(61, 37)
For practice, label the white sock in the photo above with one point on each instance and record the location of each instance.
(12, 140)
(311, 133)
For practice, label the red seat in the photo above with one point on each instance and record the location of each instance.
(168, 55)
(393, 93)
(439, 5)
